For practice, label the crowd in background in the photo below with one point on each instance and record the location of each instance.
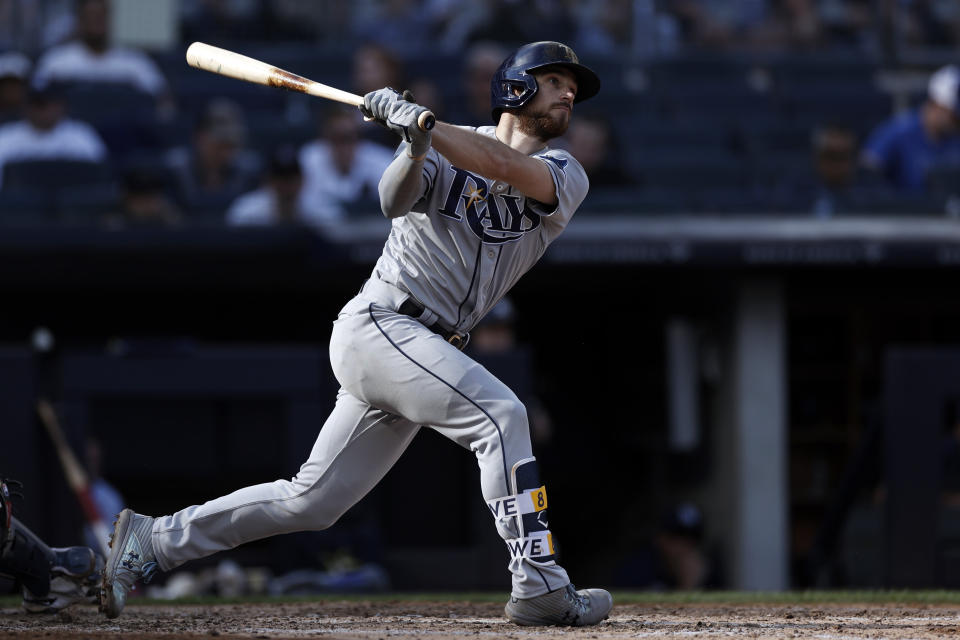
(747, 106)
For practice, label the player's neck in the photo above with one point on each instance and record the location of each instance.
(509, 133)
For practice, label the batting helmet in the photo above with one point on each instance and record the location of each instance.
(514, 73)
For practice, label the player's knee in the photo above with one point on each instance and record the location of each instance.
(515, 421)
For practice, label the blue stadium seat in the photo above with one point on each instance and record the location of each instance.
(884, 201)
(267, 131)
(26, 207)
(195, 89)
(55, 174)
(87, 205)
(689, 169)
(944, 180)
(125, 117)
(657, 134)
(763, 138)
(712, 104)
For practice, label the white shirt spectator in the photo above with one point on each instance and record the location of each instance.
(75, 62)
(323, 182)
(260, 208)
(68, 140)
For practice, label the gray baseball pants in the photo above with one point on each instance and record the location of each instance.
(395, 376)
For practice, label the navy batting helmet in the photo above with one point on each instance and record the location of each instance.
(514, 73)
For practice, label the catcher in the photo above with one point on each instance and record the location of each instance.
(51, 578)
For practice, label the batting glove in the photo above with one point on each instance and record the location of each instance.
(399, 113)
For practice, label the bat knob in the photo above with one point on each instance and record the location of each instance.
(426, 121)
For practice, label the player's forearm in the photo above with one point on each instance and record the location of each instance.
(401, 186)
(490, 158)
(469, 150)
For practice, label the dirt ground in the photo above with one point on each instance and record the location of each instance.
(456, 620)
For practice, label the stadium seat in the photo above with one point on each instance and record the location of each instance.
(267, 132)
(26, 207)
(86, 205)
(55, 174)
(689, 169)
(125, 117)
(195, 89)
(944, 180)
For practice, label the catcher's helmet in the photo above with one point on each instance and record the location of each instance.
(514, 72)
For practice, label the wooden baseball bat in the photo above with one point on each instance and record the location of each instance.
(234, 65)
(76, 477)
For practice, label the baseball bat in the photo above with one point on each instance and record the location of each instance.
(240, 67)
(76, 477)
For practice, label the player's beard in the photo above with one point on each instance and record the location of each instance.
(543, 125)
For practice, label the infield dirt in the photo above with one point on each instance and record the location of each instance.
(455, 620)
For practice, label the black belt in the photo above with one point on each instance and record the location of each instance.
(414, 309)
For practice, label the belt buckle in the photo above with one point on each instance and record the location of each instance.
(457, 341)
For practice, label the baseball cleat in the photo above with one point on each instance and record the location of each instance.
(74, 562)
(131, 558)
(74, 577)
(564, 607)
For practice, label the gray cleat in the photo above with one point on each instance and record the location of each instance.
(565, 607)
(131, 558)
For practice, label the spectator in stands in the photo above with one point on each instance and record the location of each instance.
(590, 140)
(850, 22)
(426, 92)
(605, 27)
(480, 63)
(31, 26)
(341, 168)
(835, 168)
(91, 58)
(375, 67)
(715, 24)
(907, 146)
(674, 558)
(393, 23)
(326, 21)
(929, 23)
(683, 560)
(217, 168)
(145, 200)
(215, 19)
(281, 201)
(753, 24)
(460, 22)
(14, 72)
(47, 134)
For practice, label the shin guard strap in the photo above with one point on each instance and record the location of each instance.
(530, 501)
(537, 546)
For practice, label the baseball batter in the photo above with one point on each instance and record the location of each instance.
(472, 210)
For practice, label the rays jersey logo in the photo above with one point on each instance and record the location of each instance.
(494, 218)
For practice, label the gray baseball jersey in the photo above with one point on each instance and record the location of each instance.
(465, 244)
(469, 239)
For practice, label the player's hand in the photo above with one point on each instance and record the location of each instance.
(399, 113)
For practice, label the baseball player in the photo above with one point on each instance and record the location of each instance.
(472, 211)
(51, 578)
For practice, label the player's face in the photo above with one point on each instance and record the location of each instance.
(547, 116)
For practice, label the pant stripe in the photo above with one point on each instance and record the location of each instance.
(506, 473)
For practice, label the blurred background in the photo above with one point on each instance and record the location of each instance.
(741, 360)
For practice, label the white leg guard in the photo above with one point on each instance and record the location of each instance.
(522, 521)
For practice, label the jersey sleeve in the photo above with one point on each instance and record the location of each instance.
(571, 183)
(431, 167)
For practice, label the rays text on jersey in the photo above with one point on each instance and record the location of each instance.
(494, 218)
